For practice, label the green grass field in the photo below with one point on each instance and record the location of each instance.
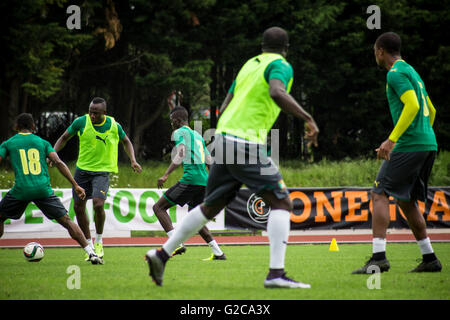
(124, 276)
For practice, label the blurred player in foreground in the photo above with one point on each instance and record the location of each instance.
(408, 155)
(28, 153)
(99, 136)
(192, 153)
(248, 113)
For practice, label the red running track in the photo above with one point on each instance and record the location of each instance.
(224, 240)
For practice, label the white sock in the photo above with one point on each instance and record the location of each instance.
(89, 250)
(170, 233)
(190, 225)
(215, 248)
(278, 227)
(378, 245)
(425, 246)
(98, 238)
(90, 243)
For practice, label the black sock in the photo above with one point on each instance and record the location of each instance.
(429, 257)
(379, 256)
(275, 273)
(162, 255)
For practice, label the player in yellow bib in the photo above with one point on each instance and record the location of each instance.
(99, 136)
(259, 93)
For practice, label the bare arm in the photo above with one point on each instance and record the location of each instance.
(176, 162)
(225, 103)
(128, 147)
(61, 142)
(62, 167)
(289, 105)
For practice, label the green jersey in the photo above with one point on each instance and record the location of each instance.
(28, 154)
(251, 112)
(194, 159)
(420, 135)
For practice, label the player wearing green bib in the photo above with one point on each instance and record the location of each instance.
(99, 136)
(408, 155)
(27, 153)
(248, 112)
(192, 154)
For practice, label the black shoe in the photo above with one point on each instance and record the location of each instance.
(156, 266)
(373, 266)
(432, 266)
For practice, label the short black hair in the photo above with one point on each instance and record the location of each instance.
(389, 41)
(275, 38)
(98, 100)
(24, 121)
(180, 112)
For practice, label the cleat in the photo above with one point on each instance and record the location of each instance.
(94, 259)
(99, 250)
(156, 266)
(214, 257)
(180, 250)
(373, 266)
(86, 258)
(285, 282)
(432, 266)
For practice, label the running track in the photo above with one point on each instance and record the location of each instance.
(403, 236)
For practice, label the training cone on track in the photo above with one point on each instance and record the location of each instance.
(333, 245)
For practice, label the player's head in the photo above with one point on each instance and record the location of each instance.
(97, 110)
(386, 46)
(275, 39)
(179, 117)
(25, 121)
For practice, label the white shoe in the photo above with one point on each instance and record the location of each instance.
(285, 282)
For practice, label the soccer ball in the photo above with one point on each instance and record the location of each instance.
(33, 252)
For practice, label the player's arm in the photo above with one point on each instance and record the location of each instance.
(432, 110)
(175, 163)
(288, 104)
(62, 167)
(409, 112)
(228, 98)
(129, 149)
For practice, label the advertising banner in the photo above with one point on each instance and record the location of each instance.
(333, 208)
(126, 209)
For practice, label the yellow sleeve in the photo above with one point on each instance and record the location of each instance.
(432, 111)
(410, 109)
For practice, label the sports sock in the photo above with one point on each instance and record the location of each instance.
(191, 224)
(278, 227)
(98, 238)
(170, 233)
(91, 244)
(426, 249)
(215, 248)
(89, 250)
(379, 248)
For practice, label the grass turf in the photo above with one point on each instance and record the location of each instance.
(124, 276)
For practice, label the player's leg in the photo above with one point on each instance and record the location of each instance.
(2, 224)
(416, 221)
(100, 187)
(84, 180)
(160, 209)
(53, 208)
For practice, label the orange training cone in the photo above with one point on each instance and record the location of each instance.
(333, 245)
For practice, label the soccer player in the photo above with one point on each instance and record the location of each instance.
(408, 154)
(28, 153)
(192, 153)
(99, 137)
(248, 112)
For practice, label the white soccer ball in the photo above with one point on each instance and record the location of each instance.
(33, 252)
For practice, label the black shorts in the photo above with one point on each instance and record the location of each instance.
(12, 208)
(96, 184)
(405, 176)
(238, 163)
(183, 193)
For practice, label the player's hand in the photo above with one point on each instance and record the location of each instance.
(311, 133)
(162, 180)
(80, 192)
(49, 162)
(385, 149)
(136, 167)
